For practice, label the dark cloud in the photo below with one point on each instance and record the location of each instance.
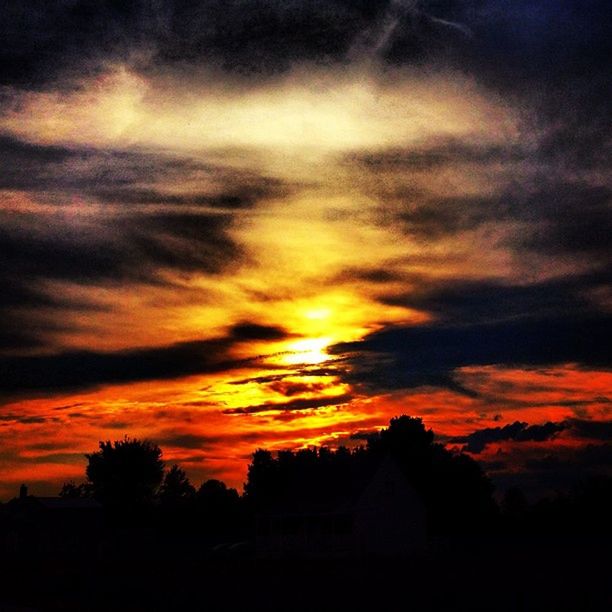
(27, 420)
(591, 430)
(129, 176)
(436, 155)
(148, 231)
(37, 246)
(589, 456)
(483, 322)
(547, 200)
(259, 379)
(369, 275)
(42, 41)
(12, 336)
(273, 378)
(21, 324)
(569, 218)
(48, 446)
(405, 357)
(467, 300)
(83, 369)
(255, 331)
(102, 244)
(293, 405)
(549, 472)
(365, 435)
(70, 370)
(184, 440)
(291, 388)
(503, 41)
(478, 440)
(548, 468)
(201, 441)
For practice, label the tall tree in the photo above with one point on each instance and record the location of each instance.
(220, 509)
(454, 488)
(126, 472)
(175, 488)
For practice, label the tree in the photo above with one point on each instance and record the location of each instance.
(262, 476)
(175, 488)
(71, 490)
(219, 508)
(454, 488)
(125, 473)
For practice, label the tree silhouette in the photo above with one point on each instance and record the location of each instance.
(262, 476)
(458, 495)
(175, 488)
(125, 473)
(456, 492)
(219, 508)
(71, 490)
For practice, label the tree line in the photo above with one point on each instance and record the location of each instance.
(130, 479)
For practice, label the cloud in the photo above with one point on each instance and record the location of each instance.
(560, 470)
(274, 378)
(366, 435)
(184, 440)
(72, 370)
(525, 196)
(478, 440)
(436, 155)
(131, 176)
(89, 248)
(478, 301)
(290, 388)
(598, 456)
(264, 36)
(549, 467)
(591, 430)
(255, 331)
(293, 405)
(570, 218)
(107, 216)
(407, 357)
(500, 40)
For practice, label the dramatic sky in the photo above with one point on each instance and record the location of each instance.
(232, 224)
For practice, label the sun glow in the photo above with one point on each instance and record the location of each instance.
(318, 314)
(307, 351)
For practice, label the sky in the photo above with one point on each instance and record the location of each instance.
(241, 224)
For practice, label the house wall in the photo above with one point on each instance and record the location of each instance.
(390, 518)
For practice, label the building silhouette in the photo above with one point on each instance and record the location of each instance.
(38, 527)
(380, 516)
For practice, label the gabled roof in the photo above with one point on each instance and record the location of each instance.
(337, 495)
(31, 502)
(66, 503)
(389, 473)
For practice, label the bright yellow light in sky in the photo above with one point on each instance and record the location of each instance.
(309, 350)
(318, 314)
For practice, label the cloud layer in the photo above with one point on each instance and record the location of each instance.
(271, 222)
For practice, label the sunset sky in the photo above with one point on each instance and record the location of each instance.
(233, 224)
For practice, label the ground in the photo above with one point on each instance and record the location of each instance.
(512, 574)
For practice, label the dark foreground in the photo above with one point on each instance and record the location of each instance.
(502, 574)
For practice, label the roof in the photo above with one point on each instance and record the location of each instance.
(67, 503)
(54, 503)
(331, 495)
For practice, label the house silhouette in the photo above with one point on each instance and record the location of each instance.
(377, 516)
(35, 526)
